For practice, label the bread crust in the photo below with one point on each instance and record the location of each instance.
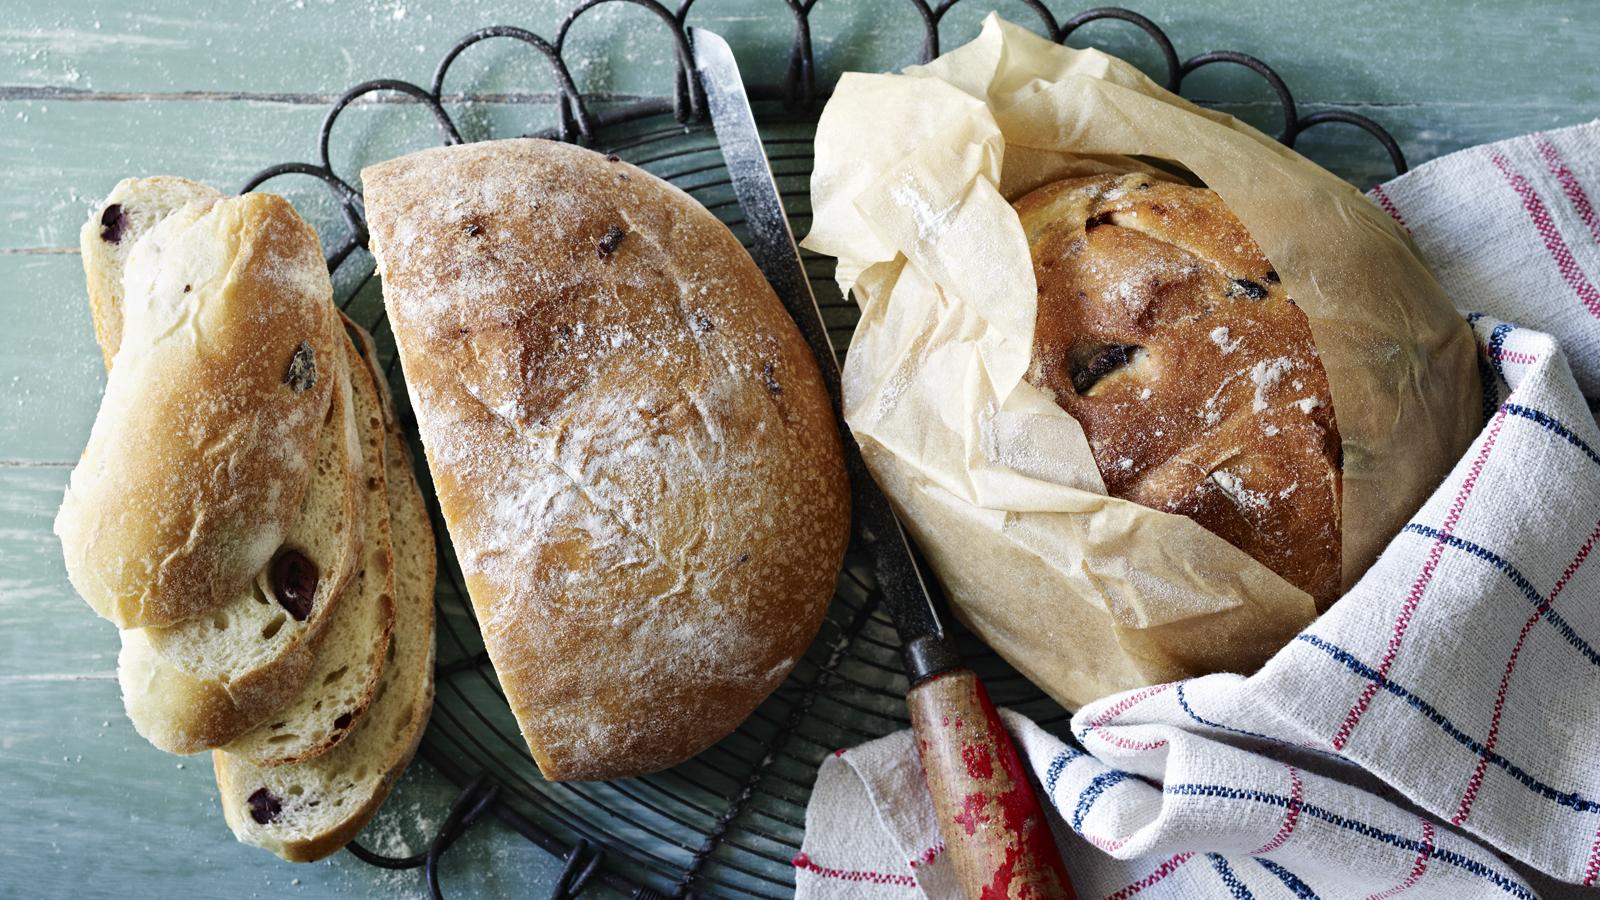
(630, 442)
(1164, 331)
(199, 456)
(132, 208)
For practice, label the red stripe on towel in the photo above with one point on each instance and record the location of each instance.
(1417, 868)
(1569, 184)
(802, 861)
(1560, 253)
(1291, 814)
(1162, 871)
(1424, 578)
(1470, 796)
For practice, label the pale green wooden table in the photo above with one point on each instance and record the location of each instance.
(91, 92)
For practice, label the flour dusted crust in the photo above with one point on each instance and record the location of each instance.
(1164, 331)
(200, 453)
(631, 445)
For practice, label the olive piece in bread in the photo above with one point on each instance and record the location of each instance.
(204, 682)
(309, 809)
(340, 686)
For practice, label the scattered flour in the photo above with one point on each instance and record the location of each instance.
(1264, 375)
(1220, 337)
(931, 223)
(1231, 485)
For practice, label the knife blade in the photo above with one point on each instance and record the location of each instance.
(991, 821)
(776, 254)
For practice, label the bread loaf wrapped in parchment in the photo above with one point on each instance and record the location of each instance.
(1149, 388)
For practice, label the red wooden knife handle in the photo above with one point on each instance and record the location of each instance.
(994, 830)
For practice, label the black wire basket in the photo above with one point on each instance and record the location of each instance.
(729, 822)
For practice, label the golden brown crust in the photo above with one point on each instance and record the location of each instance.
(630, 442)
(178, 503)
(1164, 331)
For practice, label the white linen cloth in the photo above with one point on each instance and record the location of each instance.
(1437, 732)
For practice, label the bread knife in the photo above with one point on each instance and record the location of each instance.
(993, 827)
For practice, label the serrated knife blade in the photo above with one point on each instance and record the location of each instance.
(905, 594)
(995, 833)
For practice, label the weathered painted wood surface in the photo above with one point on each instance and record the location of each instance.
(92, 91)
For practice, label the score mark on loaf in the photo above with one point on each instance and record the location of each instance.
(632, 447)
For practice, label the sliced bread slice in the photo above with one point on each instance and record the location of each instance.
(211, 319)
(203, 682)
(306, 811)
(132, 208)
(342, 684)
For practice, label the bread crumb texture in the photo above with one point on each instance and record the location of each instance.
(310, 809)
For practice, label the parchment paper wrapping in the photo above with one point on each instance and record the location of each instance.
(1085, 593)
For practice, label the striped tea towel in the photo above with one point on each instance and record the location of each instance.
(1435, 734)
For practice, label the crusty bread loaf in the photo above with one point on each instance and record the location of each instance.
(1164, 331)
(340, 687)
(631, 444)
(200, 454)
(306, 811)
(132, 208)
(205, 682)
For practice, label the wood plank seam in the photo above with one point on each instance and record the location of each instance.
(80, 95)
